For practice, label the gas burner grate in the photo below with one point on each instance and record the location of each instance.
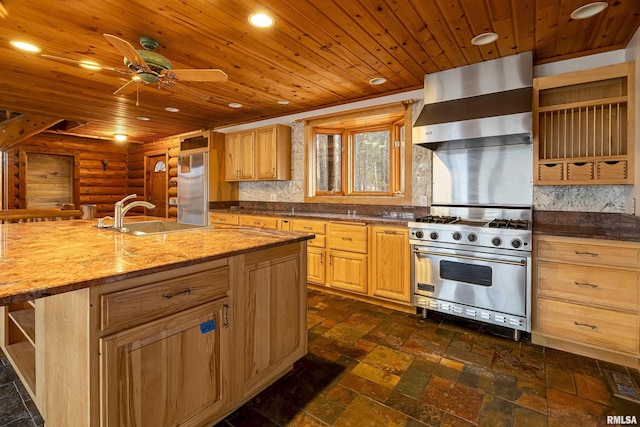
(515, 224)
(438, 219)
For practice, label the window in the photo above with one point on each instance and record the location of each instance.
(359, 156)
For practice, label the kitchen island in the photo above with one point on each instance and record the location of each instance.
(107, 328)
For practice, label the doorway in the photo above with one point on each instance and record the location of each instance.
(156, 176)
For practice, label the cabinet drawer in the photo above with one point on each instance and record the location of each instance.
(318, 242)
(588, 325)
(224, 218)
(589, 285)
(347, 237)
(259, 221)
(309, 226)
(591, 254)
(138, 305)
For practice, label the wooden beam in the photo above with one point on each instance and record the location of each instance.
(3, 10)
(19, 128)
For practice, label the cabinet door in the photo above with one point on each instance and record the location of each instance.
(316, 265)
(247, 155)
(266, 150)
(169, 372)
(390, 267)
(239, 155)
(347, 271)
(271, 308)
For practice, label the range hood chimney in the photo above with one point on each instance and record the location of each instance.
(483, 104)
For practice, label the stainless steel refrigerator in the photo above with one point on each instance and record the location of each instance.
(193, 187)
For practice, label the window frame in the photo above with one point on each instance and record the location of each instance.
(394, 117)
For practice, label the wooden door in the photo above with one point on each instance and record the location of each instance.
(347, 271)
(390, 265)
(157, 185)
(271, 305)
(168, 372)
(266, 149)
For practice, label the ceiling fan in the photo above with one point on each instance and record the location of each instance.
(151, 67)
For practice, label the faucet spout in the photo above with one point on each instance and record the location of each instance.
(120, 210)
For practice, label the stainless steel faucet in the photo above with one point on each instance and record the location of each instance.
(120, 210)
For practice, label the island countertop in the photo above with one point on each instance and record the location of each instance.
(46, 258)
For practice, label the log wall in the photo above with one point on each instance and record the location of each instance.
(93, 183)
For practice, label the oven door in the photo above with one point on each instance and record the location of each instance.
(492, 281)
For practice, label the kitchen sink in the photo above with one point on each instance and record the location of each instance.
(158, 227)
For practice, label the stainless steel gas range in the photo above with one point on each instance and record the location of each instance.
(472, 256)
(474, 262)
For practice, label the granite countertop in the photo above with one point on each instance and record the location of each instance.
(589, 225)
(46, 258)
(361, 218)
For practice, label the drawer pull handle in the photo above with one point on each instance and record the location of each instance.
(347, 238)
(594, 327)
(186, 292)
(256, 222)
(586, 253)
(588, 285)
(226, 315)
(307, 228)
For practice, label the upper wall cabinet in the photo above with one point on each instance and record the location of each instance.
(259, 154)
(583, 127)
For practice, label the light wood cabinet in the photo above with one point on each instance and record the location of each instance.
(271, 314)
(583, 127)
(240, 156)
(259, 154)
(224, 218)
(259, 221)
(316, 251)
(389, 266)
(587, 297)
(18, 321)
(170, 371)
(347, 253)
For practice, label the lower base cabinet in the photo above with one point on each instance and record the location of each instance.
(168, 372)
(184, 347)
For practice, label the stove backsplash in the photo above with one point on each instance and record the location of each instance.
(485, 176)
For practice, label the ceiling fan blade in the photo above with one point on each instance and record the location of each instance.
(126, 50)
(129, 87)
(196, 75)
(198, 95)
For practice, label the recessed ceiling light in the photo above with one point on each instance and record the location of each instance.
(28, 47)
(143, 118)
(235, 105)
(120, 137)
(172, 109)
(261, 20)
(377, 81)
(283, 102)
(90, 65)
(484, 38)
(589, 10)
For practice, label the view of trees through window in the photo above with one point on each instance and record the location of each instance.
(359, 156)
(328, 149)
(371, 161)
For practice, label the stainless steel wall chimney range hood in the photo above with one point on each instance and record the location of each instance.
(482, 104)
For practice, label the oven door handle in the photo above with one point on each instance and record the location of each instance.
(419, 252)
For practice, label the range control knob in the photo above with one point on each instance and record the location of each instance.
(472, 237)
(434, 235)
(516, 243)
(457, 235)
(496, 241)
(419, 234)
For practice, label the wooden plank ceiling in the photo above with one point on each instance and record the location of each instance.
(317, 53)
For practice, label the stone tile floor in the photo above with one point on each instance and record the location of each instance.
(371, 366)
